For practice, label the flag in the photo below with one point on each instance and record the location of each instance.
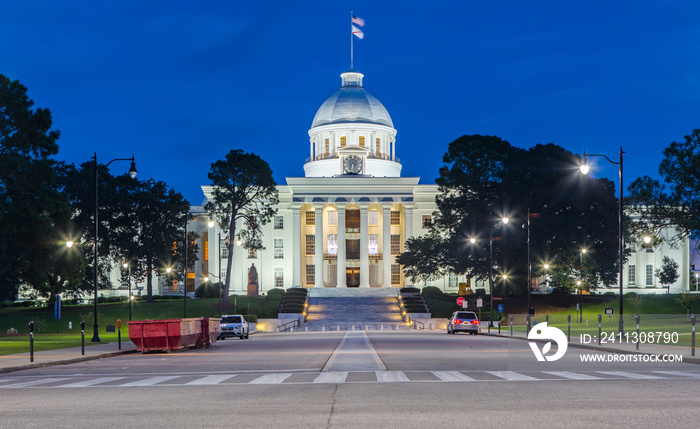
(357, 32)
(358, 21)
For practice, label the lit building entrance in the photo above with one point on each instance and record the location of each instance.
(352, 277)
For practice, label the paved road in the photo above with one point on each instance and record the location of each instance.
(354, 379)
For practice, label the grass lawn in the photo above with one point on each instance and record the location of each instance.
(18, 318)
(42, 342)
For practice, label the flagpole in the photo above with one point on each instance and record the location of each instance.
(351, 42)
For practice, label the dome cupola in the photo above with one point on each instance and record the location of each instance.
(352, 134)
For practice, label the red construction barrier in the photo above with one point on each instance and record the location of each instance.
(211, 327)
(167, 335)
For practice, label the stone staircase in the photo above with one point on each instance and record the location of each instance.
(346, 309)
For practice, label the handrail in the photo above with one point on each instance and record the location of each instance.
(294, 323)
(416, 323)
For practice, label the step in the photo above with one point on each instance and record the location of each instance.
(354, 292)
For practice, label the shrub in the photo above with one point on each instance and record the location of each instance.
(208, 290)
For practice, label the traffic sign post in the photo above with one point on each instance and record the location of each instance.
(479, 304)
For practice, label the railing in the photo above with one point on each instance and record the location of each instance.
(286, 326)
(416, 323)
(335, 156)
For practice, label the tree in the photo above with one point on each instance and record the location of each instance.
(635, 300)
(34, 215)
(148, 228)
(668, 273)
(243, 190)
(687, 300)
(485, 178)
(677, 208)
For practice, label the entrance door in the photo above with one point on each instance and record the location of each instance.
(352, 277)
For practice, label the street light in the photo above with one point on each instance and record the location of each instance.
(504, 221)
(132, 173)
(69, 244)
(585, 168)
(580, 294)
(127, 265)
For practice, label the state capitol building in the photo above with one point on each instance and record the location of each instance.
(343, 224)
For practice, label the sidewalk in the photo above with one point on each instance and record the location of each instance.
(21, 361)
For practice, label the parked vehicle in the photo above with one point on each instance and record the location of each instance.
(234, 325)
(463, 321)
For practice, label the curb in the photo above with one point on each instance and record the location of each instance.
(66, 361)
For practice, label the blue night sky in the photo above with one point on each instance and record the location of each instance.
(180, 83)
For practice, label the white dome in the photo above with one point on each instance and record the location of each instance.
(352, 104)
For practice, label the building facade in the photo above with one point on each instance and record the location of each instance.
(343, 223)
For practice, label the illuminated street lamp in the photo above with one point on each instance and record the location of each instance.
(585, 168)
(504, 221)
(132, 173)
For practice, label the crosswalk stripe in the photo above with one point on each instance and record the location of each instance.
(332, 377)
(271, 378)
(150, 381)
(633, 375)
(92, 382)
(209, 380)
(391, 376)
(680, 373)
(31, 383)
(572, 375)
(511, 376)
(451, 376)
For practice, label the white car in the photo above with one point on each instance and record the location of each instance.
(234, 325)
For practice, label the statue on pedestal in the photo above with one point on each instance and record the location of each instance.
(253, 281)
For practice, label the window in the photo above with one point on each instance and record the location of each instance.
(362, 141)
(632, 246)
(310, 244)
(378, 147)
(373, 218)
(352, 219)
(224, 250)
(352, 249)
(278, 244)
(395, 218)
(310, 218)
(650, 249)
(650, 274)
(252, 253)
(332, 244)
(332, 218)
(395, 274)
(310, 274)
(279, 222)
(327, 147)
(395, 244)
(373, 244)
(279, 276)
(343, 141)
(631, 275)
(333, 274)
(427, 221)
(452, 280)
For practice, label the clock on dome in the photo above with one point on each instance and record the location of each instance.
(352, 164)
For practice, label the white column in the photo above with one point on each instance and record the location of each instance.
(364, 248)
(408, 232)
(296, 246)
(386, 247)
(341, 247)
(409, 222)
(318, 257)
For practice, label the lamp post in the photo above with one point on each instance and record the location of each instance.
(580, 299)
(132, 173)
(696, 282)
(127, 265)
(503, 221)
(184, 283)
(546, 274)
(585, 168)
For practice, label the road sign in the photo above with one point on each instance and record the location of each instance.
(460, 300)
(479, 303)
(57, 308)
(609, 310)
(500, 308)
(464, 304)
